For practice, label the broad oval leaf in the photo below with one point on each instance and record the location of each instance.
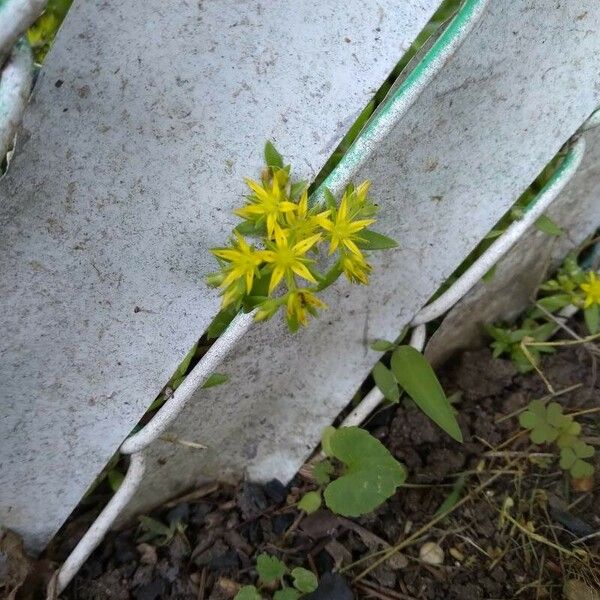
(386, 382)
(272, 157)
(270, 568)
(310, 502)
(304, 580)
(248, 592)
(419, 381)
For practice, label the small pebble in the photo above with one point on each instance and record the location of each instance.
(431, 553)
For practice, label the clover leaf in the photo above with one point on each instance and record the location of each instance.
(536, 420)
(270, 568)
(371, 476)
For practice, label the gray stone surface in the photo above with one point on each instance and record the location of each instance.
(518, 87)
(145, 118)
(517, 276)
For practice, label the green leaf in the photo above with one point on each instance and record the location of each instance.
(115, 479)
(272, 157)
(310, 502)
(453, 497)
(489, 275)
(287, 593)
(417, 378)
(250, 229)
(371, 240)
(547, 225)
(581, 469)
(215, 379)
(382, 346)
(248, 592)
(304, 580)
(296, 189)
(386, 382)
(330, 200)
(322, 472)
(270, 568)
(220, 323)
(552, 303)
(328, 433)
(153, 526)
(592, 318)
(330, 277)
(372, 474)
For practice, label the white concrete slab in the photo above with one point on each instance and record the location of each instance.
(145, 119)
(532, 259)
(517, 88)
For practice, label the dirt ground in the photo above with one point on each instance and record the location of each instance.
(516, 537)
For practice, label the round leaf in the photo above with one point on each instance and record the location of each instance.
(270, 568)
(304, 580)
(310, 502)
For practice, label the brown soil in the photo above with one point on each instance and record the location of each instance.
(485, 558)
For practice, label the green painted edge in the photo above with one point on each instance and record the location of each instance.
(437, 50)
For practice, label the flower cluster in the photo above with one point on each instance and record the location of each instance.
(295, 241)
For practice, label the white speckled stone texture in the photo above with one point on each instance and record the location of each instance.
(522, 82)
(145, 118)
(531, 260)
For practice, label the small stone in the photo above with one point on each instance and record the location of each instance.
(431, 553)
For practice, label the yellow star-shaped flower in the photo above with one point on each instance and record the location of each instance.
(243, 260)
(343, 229)
(268, 204)
(288, 260)
(300, 303)
(591, 288)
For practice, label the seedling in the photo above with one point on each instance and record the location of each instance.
(157, 532)
(294, 584)
(300, 248)
(547, 424)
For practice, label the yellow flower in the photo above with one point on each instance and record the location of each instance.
(343, 229)
(355, 268)
(288, 259)
(300, 302)
(302, 223)
(591, 289)
(270, 204)
(243, 261)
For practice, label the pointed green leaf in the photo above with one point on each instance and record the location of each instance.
(371, 240)
(272, 157)
(547, 225)
(418, 379)
(386, 382)
(592, 318)
(382, 346)
(215, 379)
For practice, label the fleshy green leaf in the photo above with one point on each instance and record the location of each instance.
(371, 240)
(272, 157)
(220, 323)
(270, 568)
(382, 346)
(547, 225)
(592, 318)
(386, 382)
(248, 592)
(372, 474)
(310, 502)
(304, 580)
(552, 303)
(215, 379)
(418, 379)
(115, 479)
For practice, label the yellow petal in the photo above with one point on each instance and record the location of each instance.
(304, 246)
(276, 277)
(303, 272)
